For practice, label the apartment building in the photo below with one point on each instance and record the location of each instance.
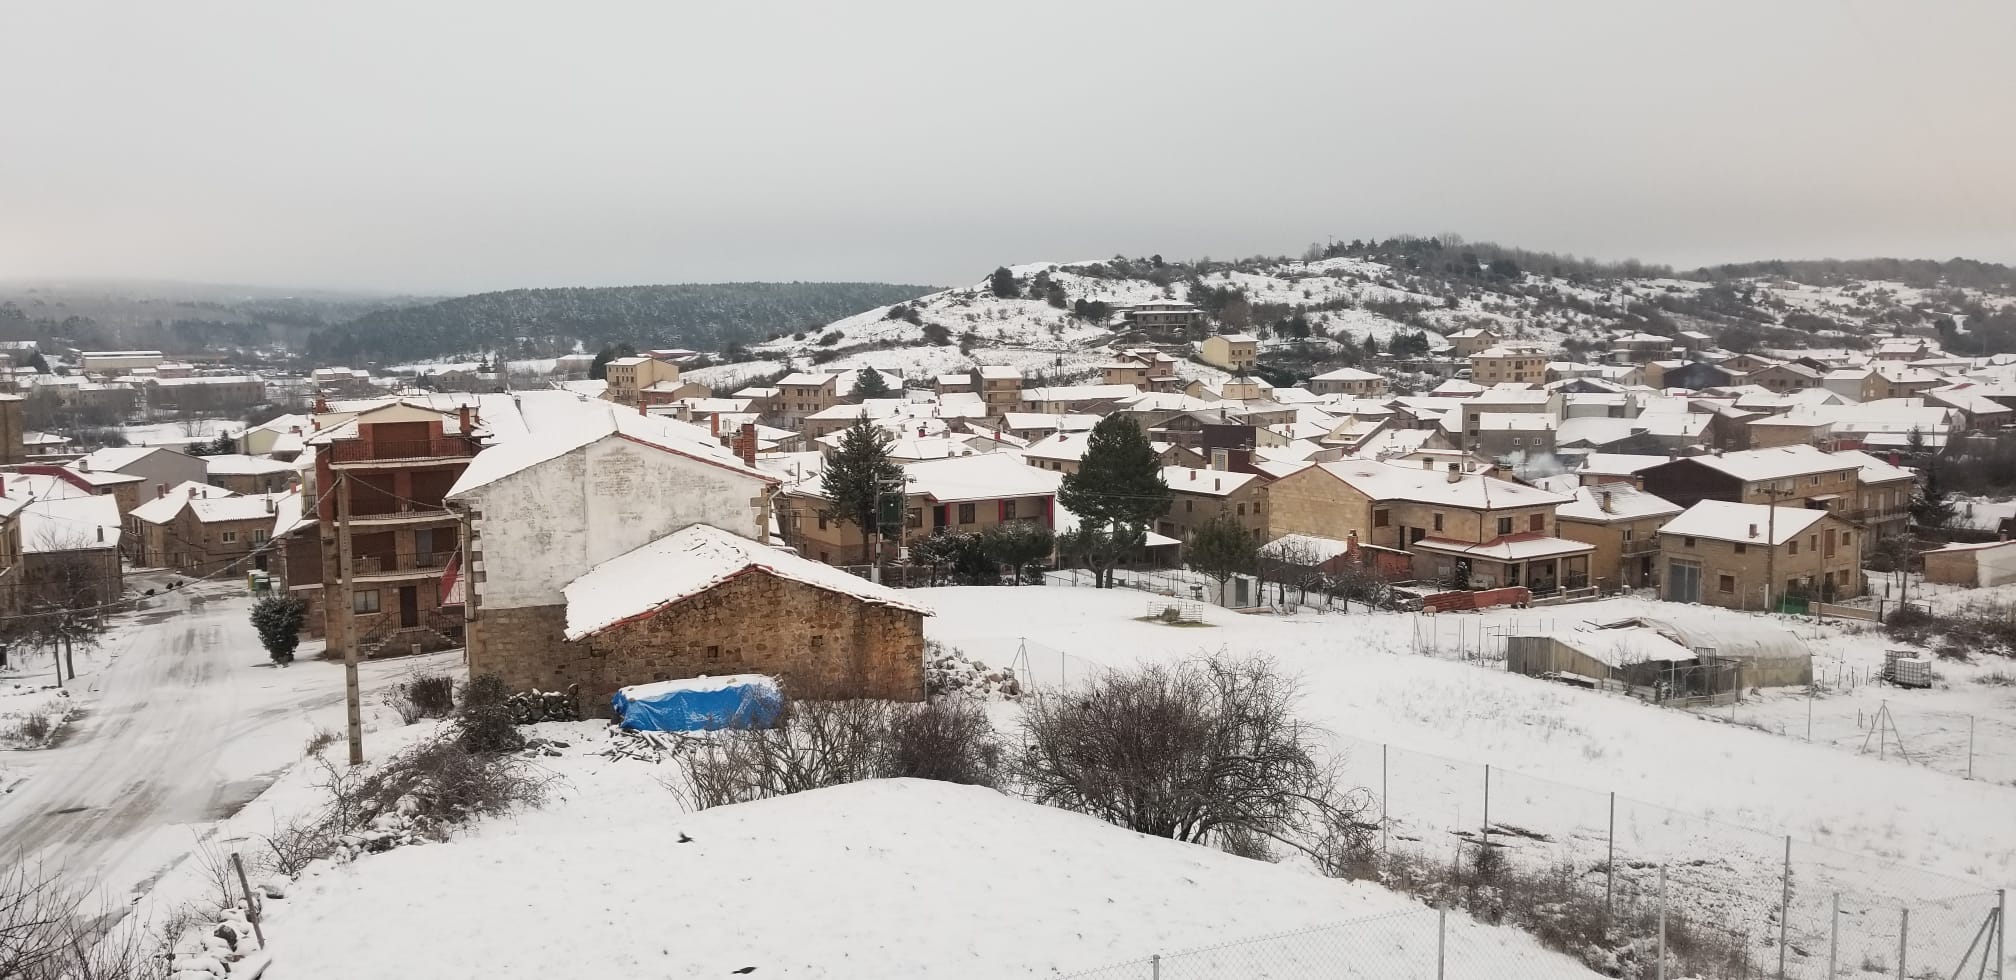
(801, 395)
(1520, 364)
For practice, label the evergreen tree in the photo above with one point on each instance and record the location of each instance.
(1221, 548)
(598, 369)
(871, 384)
(1118, 489)
(1931, 506)
(278, 619)
(1003, 283)
(1371, 346)
(38, 362)
(857, 473)
(1019, 544)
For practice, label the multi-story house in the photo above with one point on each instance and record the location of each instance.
(1881, 505)
(159, 469)
(1461, 527)
(1464, 343)
(1622, 522)
(630, 377)
(1518, 363)
(202, 535)
(1235, 352)
(1198, 495)
(801, 395)
(1165, 318)
(965, 493)
(999, 386)
(1751, 556)
(1789, 376)
(1147, 370)
(1789, 476)
(384, 474)
(226, 394)
(240, 473)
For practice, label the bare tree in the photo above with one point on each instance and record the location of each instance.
(65, 598)
(1206, 752)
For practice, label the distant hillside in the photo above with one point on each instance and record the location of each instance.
(535, 322)
(1336, 304)
(178, 317)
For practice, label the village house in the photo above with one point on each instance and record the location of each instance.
(1622, 522)
(543, 514)
(629, 377)
(1060, 453)
(1464, 343)
(1198, 495)
(382, 473)
(1460, 526)
(1881, 505)
(1349, 381)
(966, 493)
(70, 545)
(239, 473)
(1069, 399)
(1788, 376)
(999, 386)
(1234, 352)
(1789, 476)
(223, 533)
(1170, 318)
(1521, 363)
(802, 395)
(1750, 556)
(1147, 370)
(228, 394)
(705, 602)
(158, 468)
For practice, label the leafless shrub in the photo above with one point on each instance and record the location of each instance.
(401, 705)
(1208, 752)
(46, 933)
(318, 740)
(220, 880)
(948, 739)
(433, 695)
(293, 846)
(35, 728)
(434, 787)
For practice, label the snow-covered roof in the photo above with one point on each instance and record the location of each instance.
(115, 458)
(999, 372)
(1524, 546)
(1346, 374)
(1305, 547)
(1061, 446)
(1722, 520)
(70, 524)
(1210, 483)
(1078, 393)
(691, 561)
(1615, 502)
(1873, 470)
(1065, 422)
(1776, 463)
(161, 509)
(1392, 481)
(251, 507)
(803, 379)
(988, 476)
(1238, 338)
(592, 424)
(1621, 646)
(239, 464)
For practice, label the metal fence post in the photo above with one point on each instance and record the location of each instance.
(1487, 813)
(1834, 938)
(1784, 905)
(1155, 967)
(1610, 865)
(1662, 922)
(1970, 746)
(1903, 938)
(1441, 937)
(1385, 828)
(2001, 927)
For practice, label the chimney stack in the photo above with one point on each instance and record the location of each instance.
(270, 507)
(1455, 473)
(714, 425)
(84, 465)
(1193, 476)
(745, 445)
(1753, 530)
(1217, 484)
(101, 534)
(160, 490)
(462, 417)
(1603, 499)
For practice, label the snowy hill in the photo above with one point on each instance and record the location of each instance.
(1319, 312)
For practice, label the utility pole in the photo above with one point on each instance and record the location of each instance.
(348, 610)
(1771, 541)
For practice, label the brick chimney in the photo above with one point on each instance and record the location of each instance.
(462, 419)
(714, 425)
(745, 445)
(1603, 500)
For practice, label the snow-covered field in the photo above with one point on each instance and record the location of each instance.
(179, 433)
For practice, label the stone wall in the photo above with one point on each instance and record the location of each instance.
(810, 639)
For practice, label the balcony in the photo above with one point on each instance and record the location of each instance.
(390, 452)
(399, 516)
(1634, 549)
(383, 567)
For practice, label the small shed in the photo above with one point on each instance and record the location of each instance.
(1770, 655)
(1605, 658)
(1980, 565)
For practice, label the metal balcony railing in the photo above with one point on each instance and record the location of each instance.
(379, 565)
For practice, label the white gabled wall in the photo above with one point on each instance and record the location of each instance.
(544, 526)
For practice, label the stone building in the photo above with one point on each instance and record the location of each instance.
(963, 493)
(703, 601)
(542, 510)
(240, 473)
(1198, 495)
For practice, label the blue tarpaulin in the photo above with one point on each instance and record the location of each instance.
(699, 705)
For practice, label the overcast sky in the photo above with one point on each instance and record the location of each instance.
(459, 145)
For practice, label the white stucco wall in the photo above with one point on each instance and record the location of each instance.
(1995, 566)
(542, 527)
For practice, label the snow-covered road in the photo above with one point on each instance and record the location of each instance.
(186, 722)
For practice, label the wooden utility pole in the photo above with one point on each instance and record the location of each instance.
(348, 610)
(1771, 541)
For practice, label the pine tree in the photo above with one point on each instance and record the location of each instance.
(858, 472)
(1003, 283)
(871, 384)
(1118, 489)
(278, 619)
(1221, 548)
(1371, 346)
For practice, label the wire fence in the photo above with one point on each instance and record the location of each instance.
(1595, 874)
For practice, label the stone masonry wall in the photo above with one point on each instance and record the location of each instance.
(812, 640)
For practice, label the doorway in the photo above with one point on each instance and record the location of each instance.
(409, 606)
(1683, 582)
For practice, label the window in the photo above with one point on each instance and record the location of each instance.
(914, 517)
(1742, 548)
(1242, 510)
(965, 513)
(1686, 542)
(1844, 538)
(364, 601)
(1504, 525)
(1813, 481)
(1627, 534)
(1438, 522)
(1727, 583)
(1381, 518)
(713, 652)
(1795, 546)
(258, 537)
(1008, 510)
(1536, 522)
(1189, 506)
(822, 521)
